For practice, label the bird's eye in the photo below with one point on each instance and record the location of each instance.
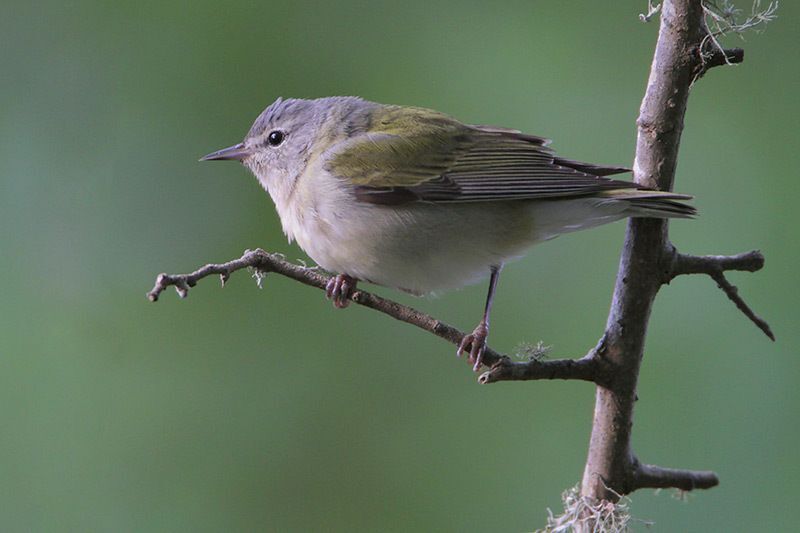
(275, 137)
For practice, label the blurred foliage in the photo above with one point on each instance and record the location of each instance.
(256, 410)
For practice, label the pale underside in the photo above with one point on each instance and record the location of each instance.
(426, 247)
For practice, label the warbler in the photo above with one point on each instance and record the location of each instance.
(414, 199)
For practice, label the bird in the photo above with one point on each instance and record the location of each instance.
(416, 200)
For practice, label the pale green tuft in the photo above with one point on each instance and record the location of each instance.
(533, 351)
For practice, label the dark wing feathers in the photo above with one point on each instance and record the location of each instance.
(468, 164)
(513, 168)
(533, 139)
(589, 168)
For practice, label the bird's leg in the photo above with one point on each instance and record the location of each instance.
(475, 343)
(339, 289)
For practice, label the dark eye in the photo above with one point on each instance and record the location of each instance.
(275, 138)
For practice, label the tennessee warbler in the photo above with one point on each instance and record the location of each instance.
(413, 199)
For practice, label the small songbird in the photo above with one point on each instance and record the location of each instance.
(413, 199)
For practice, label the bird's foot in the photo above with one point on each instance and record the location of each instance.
(474, 345)
(339, 289)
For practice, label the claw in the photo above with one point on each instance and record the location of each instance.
(474, 344)
(339, 289)
(329, 289)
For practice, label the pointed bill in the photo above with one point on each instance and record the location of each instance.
(237, 152)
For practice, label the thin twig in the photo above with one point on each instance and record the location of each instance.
(725, 56)
(264, 262)
(715, 267)
(733, 294)
(751, 261)
(585, 368)
(655, 477)
(716, 57)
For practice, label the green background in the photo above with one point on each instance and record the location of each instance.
(258, 410)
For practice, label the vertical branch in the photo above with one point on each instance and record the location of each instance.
(610, 465)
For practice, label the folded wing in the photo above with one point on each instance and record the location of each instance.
(412, 154)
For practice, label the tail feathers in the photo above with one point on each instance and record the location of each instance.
(589, 168)
(659, 208)
(655, 204)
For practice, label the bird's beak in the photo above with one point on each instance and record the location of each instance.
(237, 152)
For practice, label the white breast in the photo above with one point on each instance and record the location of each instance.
(421, 247)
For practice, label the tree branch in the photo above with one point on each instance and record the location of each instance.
(263, 262)
(611, 467)
(655, 477)
(726, 56)
(585, 368)
(733, 294)
(683, 264)
(715, 267)
(716, 57)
